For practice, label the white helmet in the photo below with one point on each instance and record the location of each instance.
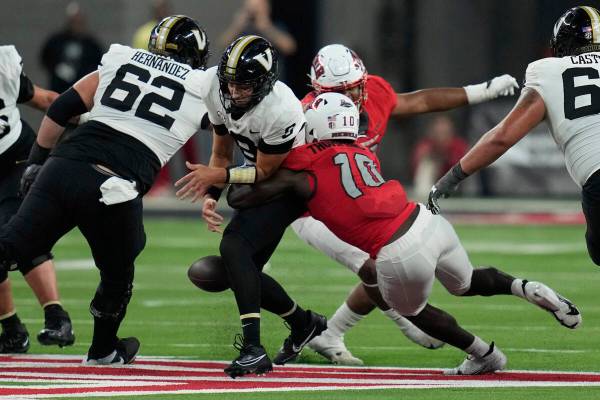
(331, 116)
(336, 68)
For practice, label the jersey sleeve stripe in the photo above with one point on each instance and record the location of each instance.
(275, 148)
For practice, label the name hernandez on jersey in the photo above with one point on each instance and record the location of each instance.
(273, 126)
(376, 111)
(10, 119)
(570, 89)
(349, 194)
(149, 97)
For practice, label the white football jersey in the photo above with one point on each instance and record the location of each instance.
(10, 81)
(275, 121)
(152, 98)
(568, 86)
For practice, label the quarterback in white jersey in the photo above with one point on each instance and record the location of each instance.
(143, 106)
(247, 105)
(563, 90)
(16, 138)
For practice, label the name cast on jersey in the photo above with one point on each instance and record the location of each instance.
(324, 145)
(588, 58)
(161, 64)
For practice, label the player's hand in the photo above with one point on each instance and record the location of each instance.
(4, 126)
(210, 215)
(503, 85)
(31, 172)
(446, 186)
(197, 182)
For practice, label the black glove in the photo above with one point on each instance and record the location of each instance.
(28, 178)
(445, 186)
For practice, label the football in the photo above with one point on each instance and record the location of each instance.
(209, 274)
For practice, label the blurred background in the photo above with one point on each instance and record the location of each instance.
(412, 44)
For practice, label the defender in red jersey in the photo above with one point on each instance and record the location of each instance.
(337, 68)
(342, 186)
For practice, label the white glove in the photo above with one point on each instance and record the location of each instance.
(503, 85)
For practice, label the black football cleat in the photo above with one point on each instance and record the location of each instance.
(14, 340)
(125, 352)
(253, 359)
(57, 331)
(295, 342)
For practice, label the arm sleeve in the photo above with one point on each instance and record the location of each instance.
(533, 77)
(282, 134)
(26, 90)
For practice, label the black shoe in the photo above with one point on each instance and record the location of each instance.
(14, 340)
(57, 331)
(293, 344)
(252, 360)
(124, 353)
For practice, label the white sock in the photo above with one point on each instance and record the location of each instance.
(342, 320)
(398, 319)
(478, 348)
(516, 287)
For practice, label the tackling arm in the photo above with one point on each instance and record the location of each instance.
(42, 98)
(283, 181)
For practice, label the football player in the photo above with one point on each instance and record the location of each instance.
(249, 107)
(341, 183)
(16, 139)
(337, 68)
(144, 105)
(559, 90)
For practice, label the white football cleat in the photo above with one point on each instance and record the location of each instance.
(333, 348)
(565, 312)
(415, 334)
(493, 361)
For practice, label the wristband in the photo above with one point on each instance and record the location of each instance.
(476, 93)
(241, 174)
(37, 154)
(458, 174)
(214, 192)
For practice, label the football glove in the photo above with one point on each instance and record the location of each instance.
(445, 187)
(28, 178)
(503, 85)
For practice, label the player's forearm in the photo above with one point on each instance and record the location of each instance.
(42, 98)
(429, 100)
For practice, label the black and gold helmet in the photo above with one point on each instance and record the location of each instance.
(251, 61)
(576, 31)
(182, 39)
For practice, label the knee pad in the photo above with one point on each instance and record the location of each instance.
(28, 266)
(110, 301)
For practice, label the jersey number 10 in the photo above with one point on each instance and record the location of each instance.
(368, 171)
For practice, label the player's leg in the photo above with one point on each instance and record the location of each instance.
(590, 203)
(455, 272)
(14, 337)
(406, 270)
(361, 301)
(247, 242)
(42, 279)
(34, 229)
(116, 237)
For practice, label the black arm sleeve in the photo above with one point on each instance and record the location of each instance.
(26, 90)
(66, 106)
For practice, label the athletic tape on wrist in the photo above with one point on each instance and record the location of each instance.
(241, 174)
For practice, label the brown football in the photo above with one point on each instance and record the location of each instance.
(209, 274)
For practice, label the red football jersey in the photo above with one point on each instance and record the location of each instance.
(349, 195)
(376, 111)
